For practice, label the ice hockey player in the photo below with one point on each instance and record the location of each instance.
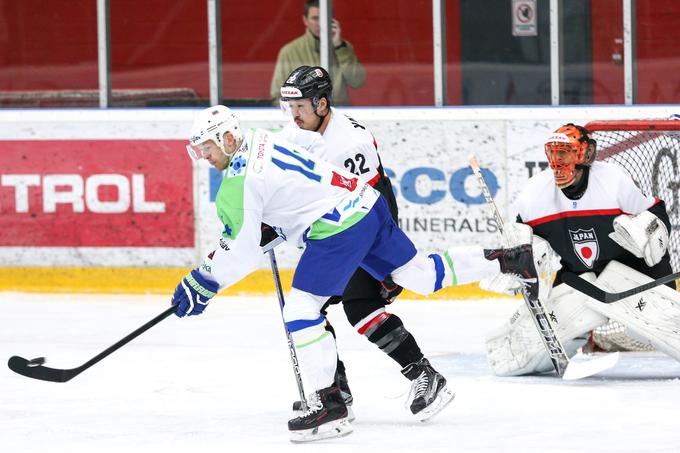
(603, 228)
(307, 94)
(344, 223)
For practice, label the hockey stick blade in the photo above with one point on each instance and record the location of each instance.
(580, 367)
(31, 369)
(22, 366)
(596, 293)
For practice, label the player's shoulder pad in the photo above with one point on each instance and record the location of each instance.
(542, 182)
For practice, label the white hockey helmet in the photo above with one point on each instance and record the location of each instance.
(211, 124)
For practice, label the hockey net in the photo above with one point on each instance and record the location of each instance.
(648, 150)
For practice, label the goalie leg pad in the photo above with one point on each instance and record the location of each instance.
(653, 315)
(516, 349)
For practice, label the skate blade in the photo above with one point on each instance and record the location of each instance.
(443, 399)
(350, 414)
(330, 430)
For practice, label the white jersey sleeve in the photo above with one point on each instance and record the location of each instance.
(346, 144)
(631, 198)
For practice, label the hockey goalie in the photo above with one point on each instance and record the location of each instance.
(589, 218)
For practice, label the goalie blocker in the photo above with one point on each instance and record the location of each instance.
(515, 348)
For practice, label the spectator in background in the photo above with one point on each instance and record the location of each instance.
(305, 51)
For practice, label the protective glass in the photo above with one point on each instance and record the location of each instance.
(285, 108)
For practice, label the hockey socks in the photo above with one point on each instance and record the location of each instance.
(387, 331)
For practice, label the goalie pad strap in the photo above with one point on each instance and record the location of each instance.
(653, 315)
(516, 348)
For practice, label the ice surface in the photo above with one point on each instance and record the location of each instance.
(222, 382)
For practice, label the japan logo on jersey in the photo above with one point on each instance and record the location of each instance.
(585, 245)
(346, 183)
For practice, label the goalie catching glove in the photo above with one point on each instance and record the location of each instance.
(193, 294)
(644, 235)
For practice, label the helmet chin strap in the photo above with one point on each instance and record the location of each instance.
(321, 118)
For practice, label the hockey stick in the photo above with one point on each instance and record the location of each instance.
(565, 368)
(596, 293)
(35, 369)
(289, 336)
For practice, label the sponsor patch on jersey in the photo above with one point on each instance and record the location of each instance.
(346, 183)
(237, 165)
(258, 166)
(586, 246)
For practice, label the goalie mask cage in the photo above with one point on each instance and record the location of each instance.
(648, 150)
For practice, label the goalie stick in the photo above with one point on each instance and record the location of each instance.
(35, 368)
(566, 369)
(601, 295)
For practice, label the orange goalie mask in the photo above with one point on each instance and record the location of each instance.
(566, 148)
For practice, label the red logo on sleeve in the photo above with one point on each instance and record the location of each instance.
(346, 183)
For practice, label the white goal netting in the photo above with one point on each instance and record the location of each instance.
(648, 150)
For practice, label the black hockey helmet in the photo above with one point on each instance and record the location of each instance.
(308, 82)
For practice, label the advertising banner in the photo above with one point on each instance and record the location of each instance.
(95, 193)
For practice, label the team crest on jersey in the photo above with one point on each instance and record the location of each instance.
(236, 166)
(586, 246)
(346, 183)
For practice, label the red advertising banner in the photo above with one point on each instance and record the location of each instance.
(96, 193)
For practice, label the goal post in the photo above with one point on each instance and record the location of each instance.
(649, 151)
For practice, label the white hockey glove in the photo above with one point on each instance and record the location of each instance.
(547, 262)
(644, 235)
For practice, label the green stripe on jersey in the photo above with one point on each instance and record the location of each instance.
(449, 261)
(323, 335)
(230, 196)
(322, 230)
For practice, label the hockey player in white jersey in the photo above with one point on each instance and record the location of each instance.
(307, 95)
(344, 223)
(601, 226)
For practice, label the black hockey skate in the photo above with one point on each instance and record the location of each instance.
(428, 390)
(341, 382)
(325, 418)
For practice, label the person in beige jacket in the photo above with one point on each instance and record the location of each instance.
(304, 51)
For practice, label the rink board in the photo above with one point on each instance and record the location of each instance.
(135, 280)
(118, 190)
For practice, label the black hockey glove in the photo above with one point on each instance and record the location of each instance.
(389, 290)
(517, 262)
(268, 234)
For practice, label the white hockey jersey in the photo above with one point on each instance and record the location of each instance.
(578, 230)
(346, 144)
(276, 182)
